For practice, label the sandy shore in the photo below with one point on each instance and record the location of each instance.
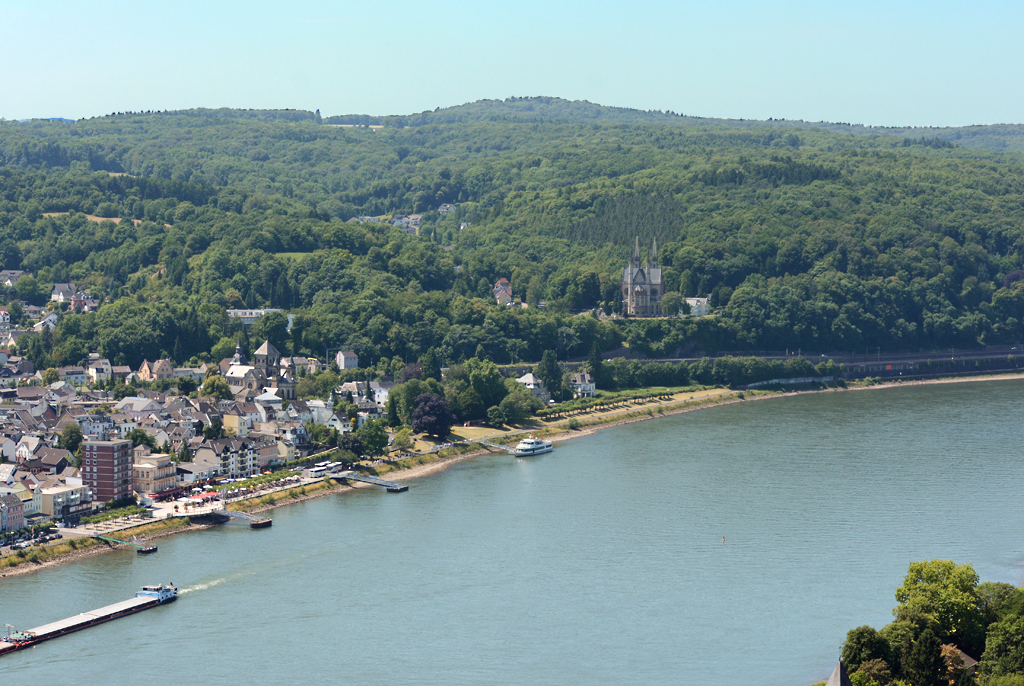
(423, 470)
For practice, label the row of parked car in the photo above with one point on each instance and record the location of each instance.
(26, 541)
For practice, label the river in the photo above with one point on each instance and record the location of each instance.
(600, 563)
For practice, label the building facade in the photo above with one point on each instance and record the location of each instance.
(12, 515)
(107, 469)
(154, 474)
(642, 287)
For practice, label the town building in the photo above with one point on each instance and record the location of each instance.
(107, 469)
(153, 473)
(347, 359)
(642, 284)
(10, 277)
(64, 502)
(503, 291)
(249, 317)
(63, 292)
(156, 371)
(12, 515)
(583, 385)
(535, 386)
(698, 307)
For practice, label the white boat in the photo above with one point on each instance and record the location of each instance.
(532, 446)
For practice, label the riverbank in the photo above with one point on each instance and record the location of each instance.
(73, 550)
(80, 548)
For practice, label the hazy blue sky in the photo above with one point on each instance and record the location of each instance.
(883, 63)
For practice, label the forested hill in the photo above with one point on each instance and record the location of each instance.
(995, 138)
(803, 237)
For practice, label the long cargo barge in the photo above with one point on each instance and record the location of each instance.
(148, 597)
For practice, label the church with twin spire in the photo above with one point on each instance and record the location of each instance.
(641, 284)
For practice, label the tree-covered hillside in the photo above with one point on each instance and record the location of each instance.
(802, 237)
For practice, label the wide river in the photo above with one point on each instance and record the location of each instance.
(600, 563)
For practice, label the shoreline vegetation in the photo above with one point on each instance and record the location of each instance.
(73, 550)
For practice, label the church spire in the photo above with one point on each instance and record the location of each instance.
(636, 253)
(654, 254)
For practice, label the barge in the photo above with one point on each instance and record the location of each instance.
(148, 597)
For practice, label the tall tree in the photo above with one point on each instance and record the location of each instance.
(595, 366)
(431, 365)
(925, 666)
(375, 437)
(550, 374)
(432, 416)
(71, 437)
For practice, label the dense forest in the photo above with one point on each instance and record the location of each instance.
(803, 236)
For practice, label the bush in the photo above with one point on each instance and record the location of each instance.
(574, 424)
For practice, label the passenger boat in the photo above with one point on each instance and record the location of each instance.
(532, 446)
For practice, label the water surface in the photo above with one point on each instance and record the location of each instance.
(600, 563)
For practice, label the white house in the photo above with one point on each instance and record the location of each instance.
(535, 386)
(347, 359)
(583, 385)
(698, 307)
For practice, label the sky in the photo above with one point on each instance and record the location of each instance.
(911, 63)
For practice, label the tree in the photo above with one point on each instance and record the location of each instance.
(671, 303)
(351, 442)
(392, 409)
(122, 390)
(947, 593)
(864, 644)
(495, 417)
(71, 437)
(403, 440)
(30, 291)
(273, 327)
(140, 437)
(375, 437)
(214, 430)
(216, 387)
(184, 455)
(595, 367)
(50, 376)
(186, 385)
(431, 365)
(432, 416)
(470, 406)
(515, 408)
(1004, 648)
(876, 671)
(549, 372)
(925, 666)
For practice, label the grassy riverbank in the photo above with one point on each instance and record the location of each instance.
(70, 549)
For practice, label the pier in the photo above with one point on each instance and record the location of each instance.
(496, 446)
(392, 486)
(255, 522)
(140, 547)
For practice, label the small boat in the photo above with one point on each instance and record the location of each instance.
(146, 550)
(532, 446)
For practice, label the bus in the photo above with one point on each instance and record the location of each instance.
(317, 472)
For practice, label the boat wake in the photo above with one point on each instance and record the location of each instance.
(203, 586)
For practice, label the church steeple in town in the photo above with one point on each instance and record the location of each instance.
(654, 254)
